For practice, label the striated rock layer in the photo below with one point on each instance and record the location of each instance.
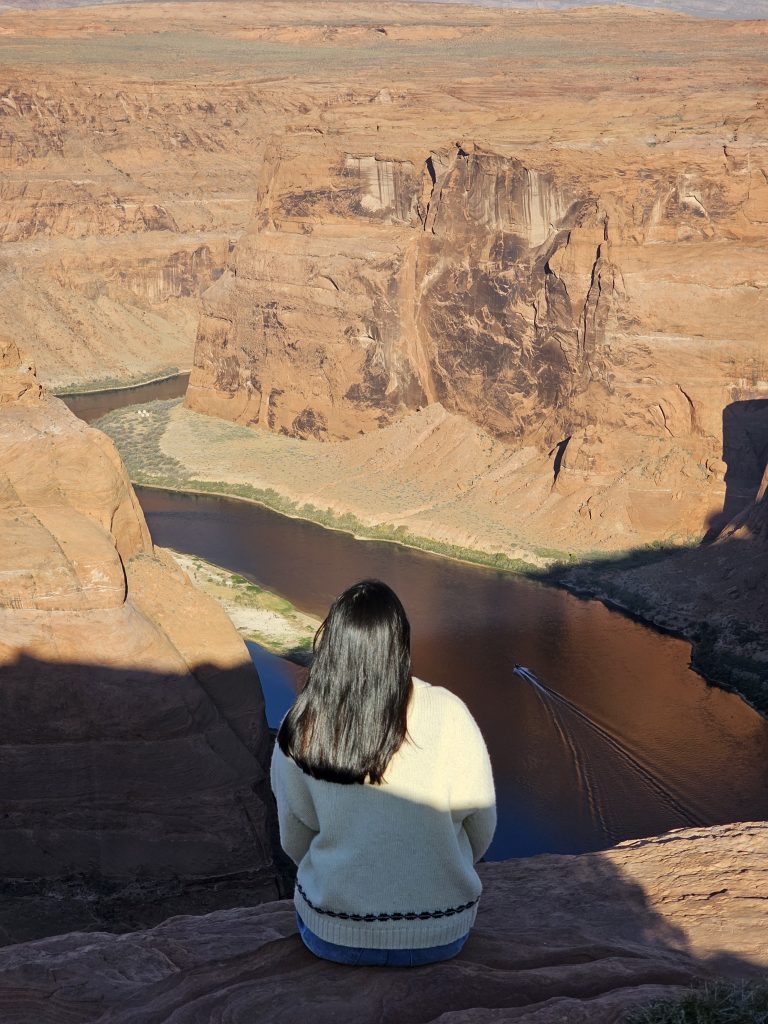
(610, 329)
(578, 939)
(564, 253)
(343, 121)
(133, 740)
(550, 223)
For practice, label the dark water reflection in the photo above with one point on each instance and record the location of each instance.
(280, 679)
(92, 405)
(641, 745)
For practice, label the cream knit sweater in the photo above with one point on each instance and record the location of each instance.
(391, 866)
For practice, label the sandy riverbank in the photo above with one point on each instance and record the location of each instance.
(257, 614)
(383, 486)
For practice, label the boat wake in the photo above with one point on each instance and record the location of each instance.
(579, 734)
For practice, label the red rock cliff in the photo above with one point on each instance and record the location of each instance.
(607, 322)
(134, 743)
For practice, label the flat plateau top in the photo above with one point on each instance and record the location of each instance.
(357, 41)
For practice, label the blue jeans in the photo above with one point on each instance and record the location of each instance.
(360, 956)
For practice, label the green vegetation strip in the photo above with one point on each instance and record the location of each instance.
(95, 387)
(137, 432)
(258, 614)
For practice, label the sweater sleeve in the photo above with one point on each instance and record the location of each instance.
(472, 791)
(295, 810)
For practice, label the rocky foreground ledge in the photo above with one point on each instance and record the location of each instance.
(558, 939)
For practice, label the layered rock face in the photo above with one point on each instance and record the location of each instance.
(608, 329)
(134, 743)
(577, 939)
(117, 210)
(550, 223)
(394, 284)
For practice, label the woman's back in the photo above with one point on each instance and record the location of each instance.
(391, 865)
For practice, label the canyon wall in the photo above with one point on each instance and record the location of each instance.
(118, 205)
(134, 744)
(374, 286)
(604, 316)
(551, 224)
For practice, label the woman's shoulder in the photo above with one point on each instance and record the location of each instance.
(283, 764)
(440, 700)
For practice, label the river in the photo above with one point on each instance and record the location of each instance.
(90, 405)
(612, 737)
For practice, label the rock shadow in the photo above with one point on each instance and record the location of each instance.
(104, 767)
(711, 594)
(130, 795)
(745, 453)
(557, 938)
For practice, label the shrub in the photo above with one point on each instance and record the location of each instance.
(721, 1002)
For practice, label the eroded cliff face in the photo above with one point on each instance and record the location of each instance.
(117, 210)
(397, 283)
(134, 741)
(586, 278)
(609, 329)
(585, 281)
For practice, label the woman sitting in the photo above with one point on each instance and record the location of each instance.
(384, 794)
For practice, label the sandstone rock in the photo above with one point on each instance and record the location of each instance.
(713, 593)
(133, 741)
(175, 154)
(577, 939)
(18, 381)
(534, 300)
(752, 522)
(540, 247)
(419, 281)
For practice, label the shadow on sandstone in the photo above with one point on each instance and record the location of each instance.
(712, 594)
(745, 455)
(557, 938)
(129, 796)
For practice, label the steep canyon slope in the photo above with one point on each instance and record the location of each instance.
(130, 143)
(582, 326)
(572, 261)
(133, 742)
(545, 230)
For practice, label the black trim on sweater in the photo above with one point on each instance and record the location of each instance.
(410, 916)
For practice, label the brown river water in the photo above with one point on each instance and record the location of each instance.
(614, 737)
(90, 405)
(611, 736)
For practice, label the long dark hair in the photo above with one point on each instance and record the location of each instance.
(350, 718)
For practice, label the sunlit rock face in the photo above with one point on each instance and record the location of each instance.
(568, 249)
(463, 278)
(533, 302)
(607, 315)
(133, 739)
(105, 248)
